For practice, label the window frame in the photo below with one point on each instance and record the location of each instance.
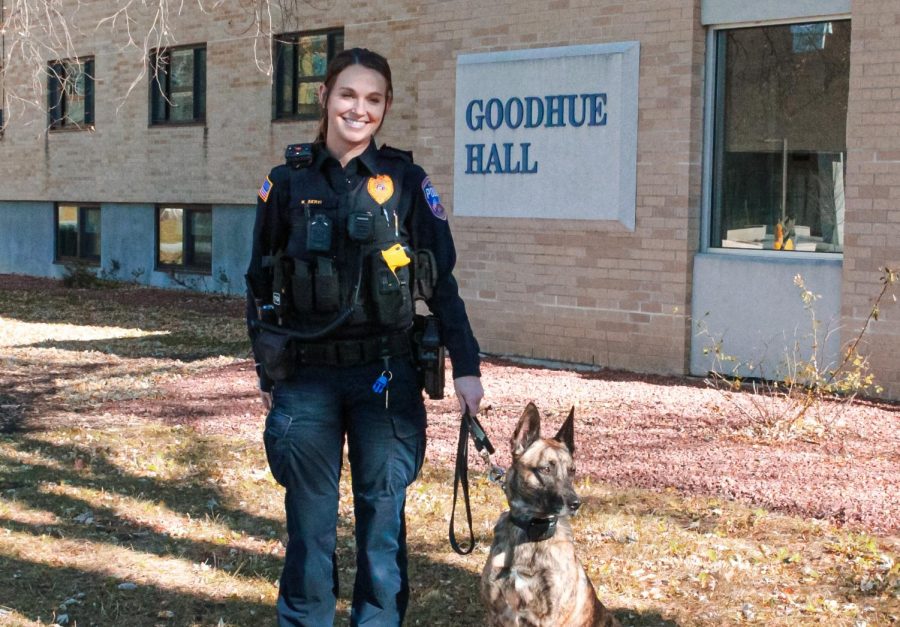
(713, 72)
(185, 267)
(160, 95)
(291, 40)
(80, 233)
(57, 101)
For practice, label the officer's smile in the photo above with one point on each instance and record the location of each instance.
(357, 124)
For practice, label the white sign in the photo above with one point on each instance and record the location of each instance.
(548, 133)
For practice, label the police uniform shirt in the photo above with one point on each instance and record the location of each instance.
(422, 222)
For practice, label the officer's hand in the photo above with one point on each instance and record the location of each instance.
(266, 398)
(469, 392)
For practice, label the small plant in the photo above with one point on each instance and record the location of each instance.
(791, 402)
(136, 275)
(80, 275)
(111, 273)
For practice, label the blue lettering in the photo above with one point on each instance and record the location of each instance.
(508, 112)
(525, 169)
(494, 114)
(475, 123)
(572, 120)
(598, 115)
(507, 160)
(555, 111)
(533, 118)
(474, 157)
(494, 161)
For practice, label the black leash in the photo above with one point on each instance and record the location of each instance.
(467, 425)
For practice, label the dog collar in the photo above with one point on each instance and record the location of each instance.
(536, 529)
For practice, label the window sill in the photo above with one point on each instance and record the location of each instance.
(782, 255)
(184, 270)
(71, 129)
(200, 123)
(90, 262)
(295, 118)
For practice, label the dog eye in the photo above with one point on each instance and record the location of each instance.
(544, 470)
(571, 471)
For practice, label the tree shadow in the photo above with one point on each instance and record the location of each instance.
(181, 346)
(441, 593)
(37, 590)
(190, 498)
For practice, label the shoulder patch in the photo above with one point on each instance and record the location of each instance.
(433, 200)
(266, 189)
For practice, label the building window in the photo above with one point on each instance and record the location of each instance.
(70, 94)
(77, 232)
(184, 237)
(780, 138)
(300, 63)
(178, 85)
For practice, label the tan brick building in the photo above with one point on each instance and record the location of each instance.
(728, 151)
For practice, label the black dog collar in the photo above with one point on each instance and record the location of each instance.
(536, 529)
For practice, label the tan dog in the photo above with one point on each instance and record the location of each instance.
(532, 576)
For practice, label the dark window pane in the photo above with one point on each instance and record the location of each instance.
(780, 137)
(181, 85)
(67, 231)
(74, 89)
(200, 84)
(200, 243)
(301, 62)
(178, 86)
(90, 232)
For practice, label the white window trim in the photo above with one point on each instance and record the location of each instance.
(733, 12)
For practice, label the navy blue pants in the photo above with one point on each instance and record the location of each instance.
(304, 436)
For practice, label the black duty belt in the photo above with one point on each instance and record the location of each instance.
(355, 352)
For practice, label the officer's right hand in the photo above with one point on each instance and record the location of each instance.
(266, 398)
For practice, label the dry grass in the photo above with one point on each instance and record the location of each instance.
(194, 520)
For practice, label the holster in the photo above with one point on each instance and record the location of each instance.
(429, 355)
(275, 352)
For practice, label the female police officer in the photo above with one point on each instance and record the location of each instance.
(339, 230)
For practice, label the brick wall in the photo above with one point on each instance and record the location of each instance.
(569, 290)
(872, 230)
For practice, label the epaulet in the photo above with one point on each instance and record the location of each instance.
(389, 151)
(298, 155)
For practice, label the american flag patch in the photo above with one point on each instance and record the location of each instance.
(265, 189)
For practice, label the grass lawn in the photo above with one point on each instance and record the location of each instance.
(111, 514)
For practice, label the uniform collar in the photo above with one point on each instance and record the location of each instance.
(366, 163)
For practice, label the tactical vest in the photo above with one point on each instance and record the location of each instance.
(340, 257)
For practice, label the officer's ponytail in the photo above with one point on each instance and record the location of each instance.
(340, 62)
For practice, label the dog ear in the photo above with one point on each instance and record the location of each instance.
(527, 431)
(566, 433)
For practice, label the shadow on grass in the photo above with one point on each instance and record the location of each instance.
(34, 388)
(186, 496)
(22, 394)
(181, 346)
(37, 590)
(441, 593)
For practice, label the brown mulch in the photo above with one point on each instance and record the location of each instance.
(632, 430)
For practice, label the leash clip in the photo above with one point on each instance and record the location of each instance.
(496, 473)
